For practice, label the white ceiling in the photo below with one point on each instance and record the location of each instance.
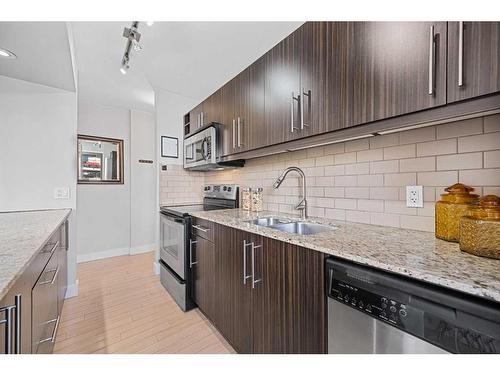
(43, 53)
(188, 58)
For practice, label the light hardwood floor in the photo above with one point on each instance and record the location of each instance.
(123, 308)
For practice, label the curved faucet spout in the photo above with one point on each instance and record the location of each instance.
(302, 205)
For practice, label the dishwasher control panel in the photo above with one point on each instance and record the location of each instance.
(376, 305)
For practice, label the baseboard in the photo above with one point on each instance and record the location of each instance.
(72, 290)
(156, 268)
(82, 258)
(142, 249)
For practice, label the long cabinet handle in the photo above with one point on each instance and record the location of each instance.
(302, 99)
(191, 263)
(253, 266)
(201, 119)
(54, 277)
(17, 327)
(432, 59)
(292, 120)
(460, 53)
(239, 132)
(234, 133)
(245, 276)
(203, 229)
(12, 312)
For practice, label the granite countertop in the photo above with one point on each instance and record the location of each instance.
(22, 235)
(415, 254)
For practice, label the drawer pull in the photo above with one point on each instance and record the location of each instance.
(56, 271)
(52, 338)
(203, 229)
(51, 251)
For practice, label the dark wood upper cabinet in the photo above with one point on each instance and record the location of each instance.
(211, 109)
(326, 76)
(400, 67)
(473, 59)
(195, 118)
(251, 106)
(282, 88)
(227, 118)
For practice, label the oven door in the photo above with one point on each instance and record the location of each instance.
(201, 148)
(173, 243)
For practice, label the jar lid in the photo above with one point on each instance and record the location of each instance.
(459, 193)
(488, 208)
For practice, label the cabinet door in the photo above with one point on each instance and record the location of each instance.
(203, 273)
(195, 118)
(268, 296)
(63, 265)
(250, 108)
(473, 59)
(235, 307)
(305, 296)
(400, 67)
(228, 143)
(326, 76)
(211, 109)
(282, 86)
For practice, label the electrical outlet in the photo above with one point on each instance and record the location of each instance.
(61, 193)
(414, 196)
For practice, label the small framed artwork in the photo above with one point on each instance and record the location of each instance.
(169, 147)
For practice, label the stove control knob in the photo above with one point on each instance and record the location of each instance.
(392, 309)
(383, 300)
(383, 305)
(353, 301)
(383, 313)
(369, 308)
(360, 304)
(224, 188)
(229, 188)
(346, 298)
(402, 312)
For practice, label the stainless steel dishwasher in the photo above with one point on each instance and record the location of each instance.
(371, 311)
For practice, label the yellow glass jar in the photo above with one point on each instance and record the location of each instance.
(480, 228)
(452, 206)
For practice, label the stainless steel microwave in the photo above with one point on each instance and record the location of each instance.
(202, 150)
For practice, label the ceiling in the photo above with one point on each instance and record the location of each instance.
(43, 53)
(192, 59)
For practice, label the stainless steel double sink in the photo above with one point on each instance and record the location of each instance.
(297, 227)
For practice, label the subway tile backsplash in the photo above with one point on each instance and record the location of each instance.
(364, 180)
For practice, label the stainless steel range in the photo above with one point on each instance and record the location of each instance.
(175, 237)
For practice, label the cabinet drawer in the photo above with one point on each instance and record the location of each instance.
(203, 228)
(45, 314)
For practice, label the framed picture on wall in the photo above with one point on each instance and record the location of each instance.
(169, 147)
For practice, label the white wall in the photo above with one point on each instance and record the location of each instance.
(119, 219)
(143, 189)
(170, 109)
(38, 151)
(104, 210)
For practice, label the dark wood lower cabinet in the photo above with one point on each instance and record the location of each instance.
(270, 295)
(203, 272)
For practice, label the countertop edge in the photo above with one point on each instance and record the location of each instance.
(442, 282)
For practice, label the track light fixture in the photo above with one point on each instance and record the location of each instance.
(133, 37)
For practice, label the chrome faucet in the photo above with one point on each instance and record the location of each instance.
(302, 205)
